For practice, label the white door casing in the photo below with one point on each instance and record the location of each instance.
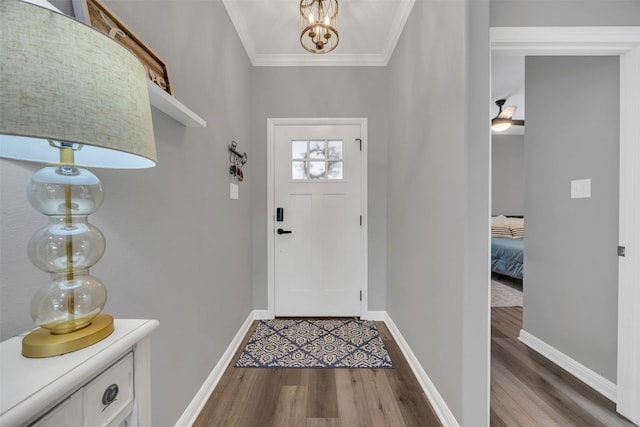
(625, 43)
(319, 269)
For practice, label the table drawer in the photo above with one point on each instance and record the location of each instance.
(108, 399)
(66, 414)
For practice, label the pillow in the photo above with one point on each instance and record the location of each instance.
(498, 220)
(514, 221)
(517, 231)
(501, 231)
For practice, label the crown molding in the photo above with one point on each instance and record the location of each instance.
(306, 59)
(397, 27)
(565, 41)
(334, 59)
(241, 29)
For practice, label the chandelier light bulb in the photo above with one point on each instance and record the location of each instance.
(319, 25)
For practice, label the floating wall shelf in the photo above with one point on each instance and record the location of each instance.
(158, 97)
(174, 108)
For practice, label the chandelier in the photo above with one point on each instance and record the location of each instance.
(319, 25)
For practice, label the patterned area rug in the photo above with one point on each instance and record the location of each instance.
(281, 343)
(505, 295)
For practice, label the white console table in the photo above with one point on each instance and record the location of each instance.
(106, 384)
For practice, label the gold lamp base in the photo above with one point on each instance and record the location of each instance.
(42, 343)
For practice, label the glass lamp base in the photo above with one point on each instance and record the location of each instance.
(42, 343)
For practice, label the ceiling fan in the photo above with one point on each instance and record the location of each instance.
(504, 120)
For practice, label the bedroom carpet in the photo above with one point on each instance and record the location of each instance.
(334, 343)
(505, 295)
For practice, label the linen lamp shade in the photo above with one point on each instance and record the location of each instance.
(62, 80)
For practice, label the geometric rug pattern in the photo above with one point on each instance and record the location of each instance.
(332, 343)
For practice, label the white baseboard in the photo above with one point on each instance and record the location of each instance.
(262, 315)
(193, 410)
(376, 316)
(578, 370)
(439, 405)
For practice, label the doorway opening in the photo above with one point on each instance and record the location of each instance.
(625, 43)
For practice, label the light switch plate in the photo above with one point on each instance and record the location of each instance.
(233, 191)
(581, 189)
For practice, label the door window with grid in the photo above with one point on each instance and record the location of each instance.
(316, 160)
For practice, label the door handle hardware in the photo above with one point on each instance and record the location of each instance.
(110, 395)
(281, 231)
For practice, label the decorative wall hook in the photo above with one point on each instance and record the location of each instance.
(237, 160)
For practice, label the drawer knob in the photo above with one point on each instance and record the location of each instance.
(110, 394)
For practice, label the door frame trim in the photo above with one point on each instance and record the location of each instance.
(272, 123)
(625, 43)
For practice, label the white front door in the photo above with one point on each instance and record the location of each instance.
(317, 220)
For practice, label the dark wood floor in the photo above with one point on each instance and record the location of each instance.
(254, 397)
(528, 390)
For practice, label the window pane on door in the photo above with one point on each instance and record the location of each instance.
(335, 150)
(316, 160)
(299, 171)
(317, 150)
(298, 149)
(335, 170)
(317, 170)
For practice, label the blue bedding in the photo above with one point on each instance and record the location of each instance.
(507, 256)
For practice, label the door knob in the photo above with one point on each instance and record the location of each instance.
(281, 231)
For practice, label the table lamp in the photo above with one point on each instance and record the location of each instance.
(72, 98)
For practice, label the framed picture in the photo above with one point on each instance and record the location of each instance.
(95, 14)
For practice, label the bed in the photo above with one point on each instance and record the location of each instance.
(507, 246)
(507, 256)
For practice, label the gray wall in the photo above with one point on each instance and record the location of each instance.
(507, 174)
(345, 92)
(527, 13)
(438, 191)
(570, 253)
(178, 249)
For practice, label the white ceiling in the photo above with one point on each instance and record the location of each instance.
(369, 30)
(270, 31)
